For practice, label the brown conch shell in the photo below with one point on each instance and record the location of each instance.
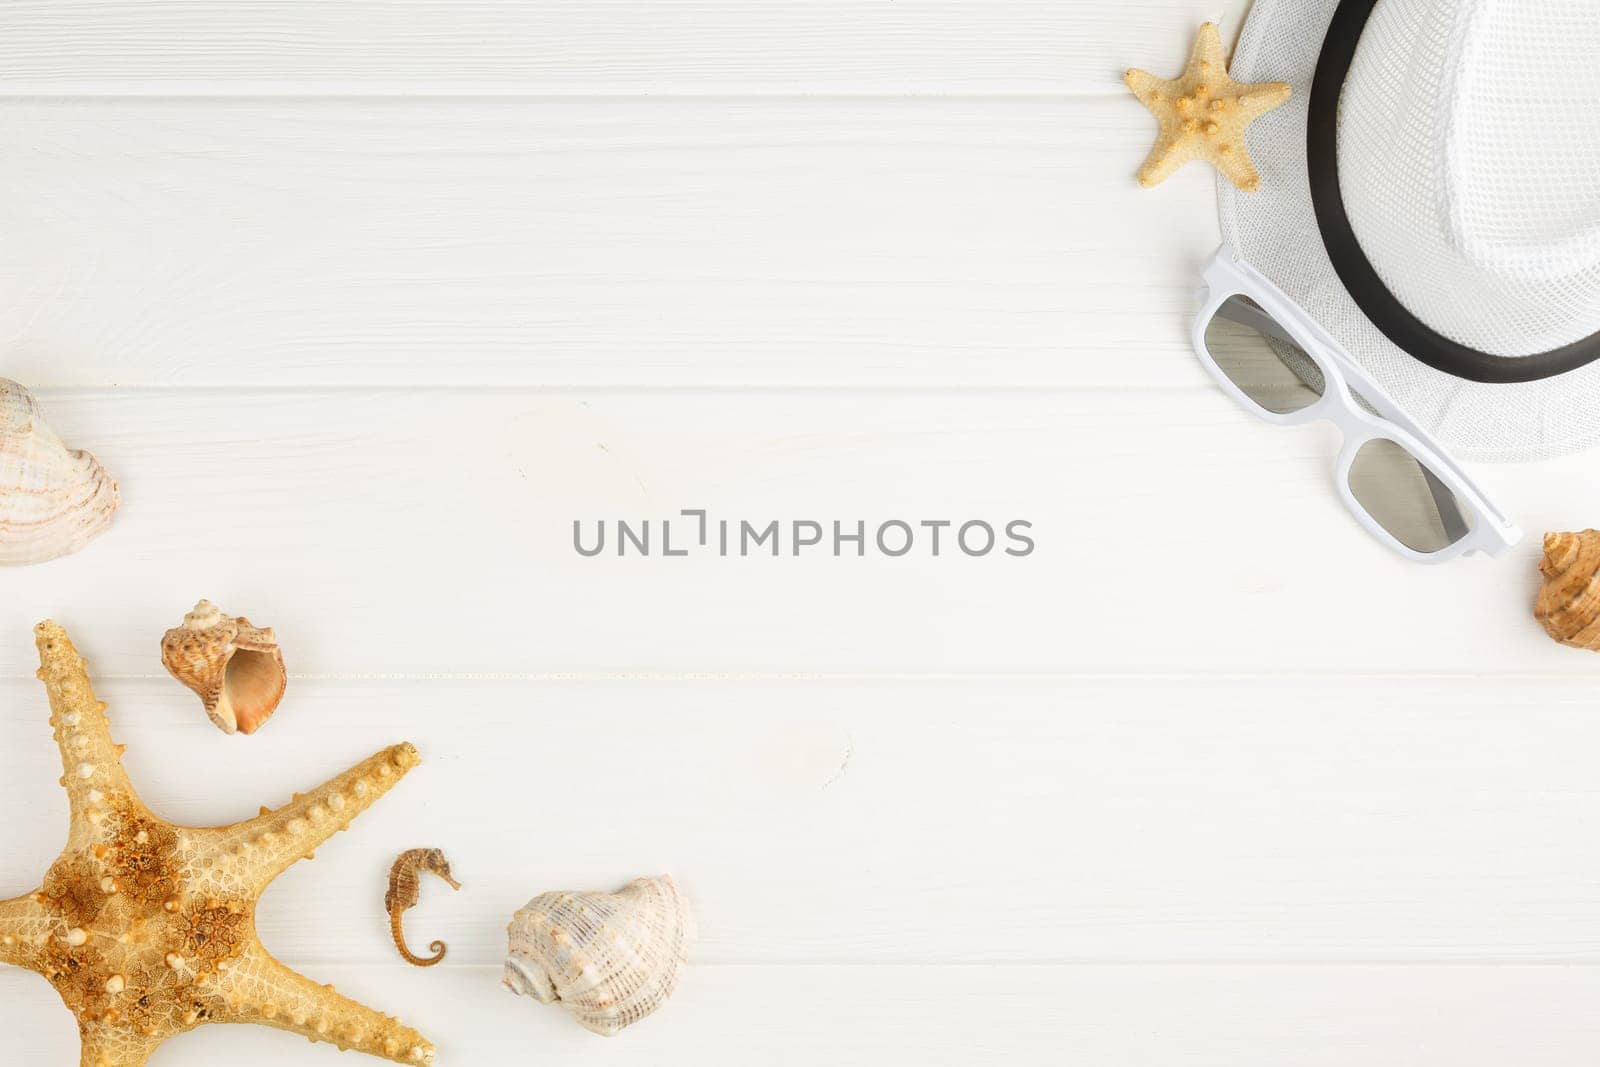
(1569, 603)
(236, 668)
(53, 499)
(610, 959)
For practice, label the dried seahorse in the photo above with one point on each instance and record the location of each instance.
(404, 892)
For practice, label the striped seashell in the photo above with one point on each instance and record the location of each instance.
(53, 499)
(610, 959)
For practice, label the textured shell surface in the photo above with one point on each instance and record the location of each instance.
(610, 959)
(236, 668)
(53, 499)
(1568, 606)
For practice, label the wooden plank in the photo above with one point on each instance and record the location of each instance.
(884, 243)
(1135, 820)
(947, 1016)
(428, 532)
(586, 46)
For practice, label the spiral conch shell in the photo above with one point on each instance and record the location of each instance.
(236, 668)
(1569, 602)
(608, 958)
(53, 499)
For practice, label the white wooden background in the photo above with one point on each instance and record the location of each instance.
(364, 301)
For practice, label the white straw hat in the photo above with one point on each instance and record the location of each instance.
(1431, 196)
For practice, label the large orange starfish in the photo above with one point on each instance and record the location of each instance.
(147, 930)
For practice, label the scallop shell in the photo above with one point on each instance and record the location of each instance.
(53, 500)
(1569, 603)
(610, 959)
(236, 668)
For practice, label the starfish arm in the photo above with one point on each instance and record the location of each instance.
(91, 764)
(107, 1047)
(1146, 86)
(1166, 158)
(251, 854)
(24, 925)
(1257, 100)
(1239, 170)
(1208, 56)
(257, 989)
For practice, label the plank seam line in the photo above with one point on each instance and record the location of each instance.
(909, 677)
(1497, 963)
(399, 95)
(493, 390)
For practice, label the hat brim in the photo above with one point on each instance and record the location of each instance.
(1275, 230)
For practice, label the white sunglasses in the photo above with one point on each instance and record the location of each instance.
(1275, 360)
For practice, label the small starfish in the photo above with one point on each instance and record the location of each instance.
(1204, 114)
(147, 930)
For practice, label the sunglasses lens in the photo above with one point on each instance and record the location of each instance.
(1262, 358)
(1406, 498)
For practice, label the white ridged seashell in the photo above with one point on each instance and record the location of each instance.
(53, 499)
(608, 958)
